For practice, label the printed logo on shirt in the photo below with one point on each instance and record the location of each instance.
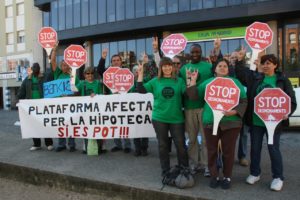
(168, 92)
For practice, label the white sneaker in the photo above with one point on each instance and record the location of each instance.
(252, 179)
(206, 172)
(33, 148)
(50, 147)
(276, 184)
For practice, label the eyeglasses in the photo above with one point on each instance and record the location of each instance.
(176, 63)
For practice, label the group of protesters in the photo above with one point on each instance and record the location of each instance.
(180, 111)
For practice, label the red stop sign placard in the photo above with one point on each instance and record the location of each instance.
(75, 56)
(272, 104)
(222, 94)
(124, 80)
(259, 36)
(47, 37)
(108, 77)
(173, 45)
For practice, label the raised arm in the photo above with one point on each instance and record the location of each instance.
(101, 64)
(53, 57)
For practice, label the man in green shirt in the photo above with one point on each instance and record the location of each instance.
(192, 109)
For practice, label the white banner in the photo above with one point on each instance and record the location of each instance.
(103, 116)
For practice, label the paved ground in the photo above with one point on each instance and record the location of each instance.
(124, 175)
(14, 190)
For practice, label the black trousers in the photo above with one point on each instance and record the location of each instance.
(37, 142)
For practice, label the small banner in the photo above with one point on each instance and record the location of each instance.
(57, 88)
(99, 117)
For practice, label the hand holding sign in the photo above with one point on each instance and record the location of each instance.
(222, 94)
(173, 45)
(272, 105)
(259, 36)
(75, 56)
(47, 38)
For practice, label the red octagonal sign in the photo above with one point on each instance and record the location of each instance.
(259, 36)
(124, 80)
(75, 56)
(272, 104)
(109, 78)
(173, 45)
(47, 37)
(222, 94)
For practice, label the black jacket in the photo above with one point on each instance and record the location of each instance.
(252, 80)
(25, 91)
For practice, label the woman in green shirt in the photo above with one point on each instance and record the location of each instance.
(167, 115)
(229, 126)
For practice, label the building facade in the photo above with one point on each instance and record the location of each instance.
(20, 20)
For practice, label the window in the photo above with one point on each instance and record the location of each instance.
(184, 5)
(234, 2)
(69, 14)
(8, 11)
(172, 6)
(76, 11)
(101, 11)
(54, 15)
(20, 9)
(161, 7)
(62, 15)
(129, 9)
(84, 12)
(9, 38)
(221, 3)
(197, 4)
(46, 18)
(120, 10)
(21, 37)
(93, 12)
(139, 8)
(150, 7)
(292, 38)
(111, 11)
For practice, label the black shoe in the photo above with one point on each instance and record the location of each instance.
(72, 149)
(127, 150)
(102, 151)
(137, 153)
(83, 152)
(214, 183)
(59, 149)
(115, 149)
(144, 152)
(226, 183)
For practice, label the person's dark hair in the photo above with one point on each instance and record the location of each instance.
(165, 61)
(216, 64)
(89, 69)
(36, 65)
(36, 69)
(269, 57)
(115, 55)
(197, 46)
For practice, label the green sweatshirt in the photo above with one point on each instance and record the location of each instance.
(167, 94)
(208, 117)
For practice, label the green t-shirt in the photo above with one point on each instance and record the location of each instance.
(207, 116)
(35, 93)
(204, 73)
(87, 88)
(167, 94)
(268, 82)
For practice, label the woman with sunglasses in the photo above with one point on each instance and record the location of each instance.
(90, 87)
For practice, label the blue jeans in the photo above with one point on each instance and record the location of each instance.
(257, 134)
(242, 150)
(177, 133)
(62, 142)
